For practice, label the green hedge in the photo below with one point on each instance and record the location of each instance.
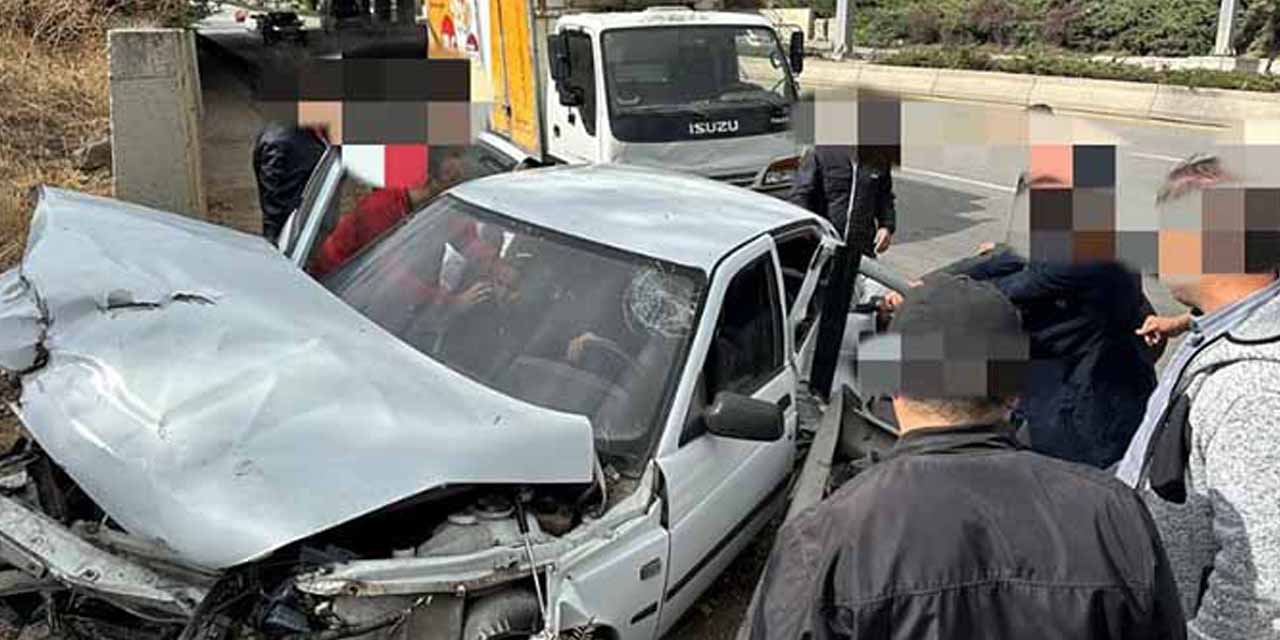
(1075, 67)
(1140, 27)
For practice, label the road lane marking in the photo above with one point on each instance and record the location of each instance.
(1156, 156)
(952, 178)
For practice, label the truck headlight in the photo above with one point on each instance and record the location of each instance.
(780, 172)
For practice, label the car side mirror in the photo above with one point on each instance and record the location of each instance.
(797, 52)
(740, 417)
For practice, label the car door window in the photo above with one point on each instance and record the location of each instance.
(359, 213)
(796, 253)
(319, 187)
(747, 346)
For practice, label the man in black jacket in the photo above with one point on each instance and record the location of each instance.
(283, 158)
(825, 180)
(959, 533)
(852, 187)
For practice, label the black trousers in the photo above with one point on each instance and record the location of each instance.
(836, 296)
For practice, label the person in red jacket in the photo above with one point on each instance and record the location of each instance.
(373, 214)
(376, 212)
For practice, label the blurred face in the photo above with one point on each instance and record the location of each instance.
(1066, 214)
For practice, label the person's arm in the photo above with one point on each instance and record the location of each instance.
(1040, 281)
(1241, 453)
(997, 263)
(806, 190)
(887, 216)
(373, 214)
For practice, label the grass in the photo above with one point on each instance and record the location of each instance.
(1040, 63)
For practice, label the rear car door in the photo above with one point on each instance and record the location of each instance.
(720, 491)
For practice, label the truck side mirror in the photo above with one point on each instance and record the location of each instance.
(740, 417)
(561, 65)
(558, 53)
(797, 52)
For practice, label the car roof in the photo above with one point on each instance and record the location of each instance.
(661, 18)
(674, 217)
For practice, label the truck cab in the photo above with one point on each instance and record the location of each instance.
(704, 92)
(708, 93)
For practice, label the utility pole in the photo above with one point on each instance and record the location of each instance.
(842, 42)
(1226, 27)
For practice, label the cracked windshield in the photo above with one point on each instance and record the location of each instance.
(555, 321)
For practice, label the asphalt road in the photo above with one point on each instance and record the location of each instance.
(960, 162)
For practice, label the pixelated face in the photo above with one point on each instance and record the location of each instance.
(869, 121)
(1065, 211)
(1219, 229)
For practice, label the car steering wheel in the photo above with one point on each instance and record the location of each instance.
(607, 347)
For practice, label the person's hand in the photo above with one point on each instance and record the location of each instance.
(891, 301)
(986, 247)
(883, 238)
(578, 344)
(474, 295)
(1157, 329)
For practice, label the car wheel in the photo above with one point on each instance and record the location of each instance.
(504, 615)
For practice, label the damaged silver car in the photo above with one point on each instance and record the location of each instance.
(554, 403)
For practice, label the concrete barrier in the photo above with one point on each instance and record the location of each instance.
(1004, 88)
(902, 80)
(1084, 95)
(155, 119)
(1078, 95)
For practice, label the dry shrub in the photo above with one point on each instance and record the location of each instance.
(52, 99)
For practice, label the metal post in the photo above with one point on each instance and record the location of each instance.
(842, 41)
(1226, 27)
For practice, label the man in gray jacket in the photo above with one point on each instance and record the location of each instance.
(1207, 453)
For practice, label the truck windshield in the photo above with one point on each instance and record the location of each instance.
(688, 82)
(553, 320)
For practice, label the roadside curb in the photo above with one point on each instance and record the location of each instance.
(1168, 103)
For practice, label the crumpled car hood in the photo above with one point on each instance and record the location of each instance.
(211, 397)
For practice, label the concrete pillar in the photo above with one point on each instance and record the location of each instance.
(842, 38)
(1226, 28)
(155, 119)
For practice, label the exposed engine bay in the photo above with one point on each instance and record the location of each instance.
(289, 593)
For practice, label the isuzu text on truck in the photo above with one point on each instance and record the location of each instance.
(703, 92)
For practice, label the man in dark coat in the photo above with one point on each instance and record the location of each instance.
(959, 532)
(283, 158)
(852, 187)
(823, 184)
(1090, 374)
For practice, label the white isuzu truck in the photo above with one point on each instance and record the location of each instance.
(575, 81)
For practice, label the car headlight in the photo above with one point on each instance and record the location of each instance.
(780, 172)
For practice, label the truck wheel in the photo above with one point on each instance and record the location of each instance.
(505, 615)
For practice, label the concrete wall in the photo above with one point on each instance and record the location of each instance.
(1079, 95)
(155, 119)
